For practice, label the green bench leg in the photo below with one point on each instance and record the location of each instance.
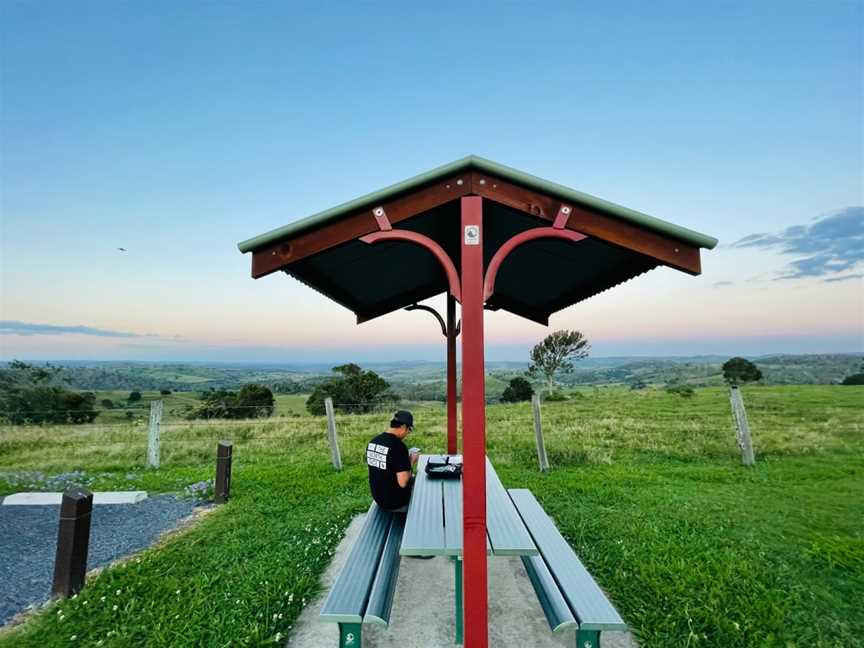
(349, 635)
(587, 639)
(457, 562)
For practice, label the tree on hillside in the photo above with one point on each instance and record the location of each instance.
(353, 391)
(253, 401)
(256, 399)
(517, 391)
(737, 371)
(134, 396)
(854, 379)
(30, 394)
(556, 353)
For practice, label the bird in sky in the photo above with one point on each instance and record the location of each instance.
(122, 249)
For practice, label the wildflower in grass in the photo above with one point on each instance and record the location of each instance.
(117, 592)
(114, 609)
(73, 637)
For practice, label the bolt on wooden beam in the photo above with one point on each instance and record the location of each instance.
(222, 490)
(73, 540)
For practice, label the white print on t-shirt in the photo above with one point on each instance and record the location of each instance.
(376, 456)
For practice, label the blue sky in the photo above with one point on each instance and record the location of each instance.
(177, 129)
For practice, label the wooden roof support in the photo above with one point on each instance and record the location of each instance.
(665, 250)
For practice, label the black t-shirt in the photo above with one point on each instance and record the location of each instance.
(386, 455)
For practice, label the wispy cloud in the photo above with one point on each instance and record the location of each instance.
(723, 284)
(825, 247)
(11, 327)
(845, 278)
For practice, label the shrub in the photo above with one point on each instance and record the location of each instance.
(557, 397)
(253, 401)
(684, 391)
(256, 400)
(517, 391)
(740, 370)
(107, 403)
(134, 396)
(354, 391)
(164, 392)
(854, 379)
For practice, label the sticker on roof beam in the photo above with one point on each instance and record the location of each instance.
(472, 235)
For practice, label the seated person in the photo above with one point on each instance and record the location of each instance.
(390, 465)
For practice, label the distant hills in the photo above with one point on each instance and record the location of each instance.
(425, 380)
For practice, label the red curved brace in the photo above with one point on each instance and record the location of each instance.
(516, 241)
(429, 244)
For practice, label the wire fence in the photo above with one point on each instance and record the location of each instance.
(183, 441)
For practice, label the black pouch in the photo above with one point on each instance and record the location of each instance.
(442, 468)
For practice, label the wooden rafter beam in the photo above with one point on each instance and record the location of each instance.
(278, 255)
(666, 250)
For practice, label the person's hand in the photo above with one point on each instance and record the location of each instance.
(414, 456)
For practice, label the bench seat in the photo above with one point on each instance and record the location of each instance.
(569, 596)
(363, 591)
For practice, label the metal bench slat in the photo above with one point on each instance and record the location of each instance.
(507, 532)
(554, 606)
(349, 595)
(589, 604)
(384, 586)
(424, 530)
(453, 518)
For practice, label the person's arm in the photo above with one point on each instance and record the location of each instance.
(404, 476)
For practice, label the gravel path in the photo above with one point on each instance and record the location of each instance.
(28, 542)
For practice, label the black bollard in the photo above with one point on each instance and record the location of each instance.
(73, 540)
(223, 472)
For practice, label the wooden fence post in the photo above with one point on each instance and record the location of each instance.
(331, 434)
(153, 436)
(538, 434)
(222, 489)
(73, 540)
(742, 427)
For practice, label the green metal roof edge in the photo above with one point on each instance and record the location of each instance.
(507, 173)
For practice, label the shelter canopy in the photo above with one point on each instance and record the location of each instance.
(537, 278)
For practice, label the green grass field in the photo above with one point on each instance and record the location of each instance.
(694, 549)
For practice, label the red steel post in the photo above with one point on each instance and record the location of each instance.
(473, 427)
(451, 375)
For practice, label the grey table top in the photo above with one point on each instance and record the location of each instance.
(434, 522)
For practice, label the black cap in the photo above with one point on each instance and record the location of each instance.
(404, 417)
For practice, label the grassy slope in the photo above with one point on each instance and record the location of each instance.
(695, 550)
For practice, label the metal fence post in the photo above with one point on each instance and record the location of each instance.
(73, 540)
(742, 427)
(222, 490)
(538, 433)
(331, 434)
(153, 437)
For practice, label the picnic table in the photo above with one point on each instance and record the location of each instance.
(516, 525)
(433, 526)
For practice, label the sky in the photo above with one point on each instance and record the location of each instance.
(175, 130)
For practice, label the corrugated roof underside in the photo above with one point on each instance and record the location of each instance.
(537, 279)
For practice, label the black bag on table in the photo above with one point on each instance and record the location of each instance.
(442, 468)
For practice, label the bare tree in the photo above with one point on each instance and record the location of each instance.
(556, 353)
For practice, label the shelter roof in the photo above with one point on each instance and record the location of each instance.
(538, 278)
